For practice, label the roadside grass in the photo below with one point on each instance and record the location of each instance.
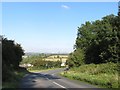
(14, 79)
(40, 70)
(103, 75)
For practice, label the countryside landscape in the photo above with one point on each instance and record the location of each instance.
(60, 45)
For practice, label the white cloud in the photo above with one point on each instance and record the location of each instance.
(65, 6)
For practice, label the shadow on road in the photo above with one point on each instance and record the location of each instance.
(45, 76)
(33, 79)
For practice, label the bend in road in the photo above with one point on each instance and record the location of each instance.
(50, 79)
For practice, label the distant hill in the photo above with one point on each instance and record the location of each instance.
(31, 53)
(36, 54)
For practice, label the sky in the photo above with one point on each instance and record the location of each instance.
(50, 27)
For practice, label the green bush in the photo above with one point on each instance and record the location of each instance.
(13, 78)
(97, 68)
(105, 75)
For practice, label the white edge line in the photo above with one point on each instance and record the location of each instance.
(59, 85)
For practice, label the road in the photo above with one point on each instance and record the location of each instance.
(51, 79)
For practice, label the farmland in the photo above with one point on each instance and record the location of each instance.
(45, 60)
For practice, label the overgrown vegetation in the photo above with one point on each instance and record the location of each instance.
(14, 78)
(11, 57)
(96, 57)
(104, 75)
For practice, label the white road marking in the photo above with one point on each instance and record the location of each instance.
(53, 74)
(59, 85)
(55, 82)
(48, 79)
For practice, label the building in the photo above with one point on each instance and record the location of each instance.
(119, 8)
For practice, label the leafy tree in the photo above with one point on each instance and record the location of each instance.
(76, 59)
(85, 35)
(99, 42)
(11, 57)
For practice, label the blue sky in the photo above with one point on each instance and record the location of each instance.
(50, 26)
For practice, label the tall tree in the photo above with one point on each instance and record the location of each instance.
(11, 57)
(99, 41)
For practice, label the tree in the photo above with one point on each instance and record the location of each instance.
(76, 59)
(99, 42)
(11, 57)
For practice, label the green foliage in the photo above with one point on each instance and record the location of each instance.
(11, 57)
(39, 62)
(108, 68)
(76, 59)
(14, 78)
(99, 42)
(105, 75)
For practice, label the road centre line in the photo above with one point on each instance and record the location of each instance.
(59, 85)
(56, 83)
(53, 74)
(48, 79)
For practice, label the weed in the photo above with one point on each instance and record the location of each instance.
(105, 75)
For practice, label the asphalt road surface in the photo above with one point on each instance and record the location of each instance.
(50, 79)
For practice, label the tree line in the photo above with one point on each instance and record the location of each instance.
(97, 42)
(39, 62)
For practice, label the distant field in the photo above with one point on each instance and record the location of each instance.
(62, 58)
(52, 58)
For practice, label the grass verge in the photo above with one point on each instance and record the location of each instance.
(40, 70)
(103, 75)
(14, 79)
